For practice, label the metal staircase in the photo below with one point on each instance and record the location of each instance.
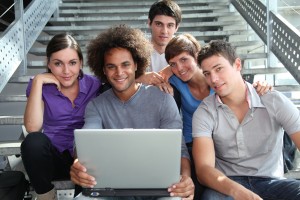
(205, 19)
(84, 19)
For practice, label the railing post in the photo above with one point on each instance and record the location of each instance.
(56, 12)
(272, 61)
(19, 15)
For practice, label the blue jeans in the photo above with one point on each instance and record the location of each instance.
(266, 188)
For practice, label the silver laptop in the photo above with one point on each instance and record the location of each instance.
(130, 162)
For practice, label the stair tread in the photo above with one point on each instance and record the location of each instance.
(141, 20)
(95, 8)
(11, 120)
(13, 98)
(139, 3)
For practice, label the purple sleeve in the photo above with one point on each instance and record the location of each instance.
(29, 87)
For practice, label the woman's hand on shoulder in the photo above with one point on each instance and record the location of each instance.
(166, 87)
(262, 87)
(150, 78)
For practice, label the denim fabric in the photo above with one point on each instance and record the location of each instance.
(266, 188)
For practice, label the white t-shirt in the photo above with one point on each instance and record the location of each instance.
(158, 61)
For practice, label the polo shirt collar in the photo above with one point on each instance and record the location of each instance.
(254, 97)
(251, 94)
(83, 88)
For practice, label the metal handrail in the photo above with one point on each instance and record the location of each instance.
(284, 39)
(7, 9)
(21, 34)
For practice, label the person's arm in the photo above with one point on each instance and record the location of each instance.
(296, 139)
(170, 118)
(166, 73)
(208, 175)
(34, 111)
(78, 172)
(166, 87)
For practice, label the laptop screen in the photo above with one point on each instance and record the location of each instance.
(130, 158)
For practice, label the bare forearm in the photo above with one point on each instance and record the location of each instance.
(185, 167)
(33, 116)
(213, 178)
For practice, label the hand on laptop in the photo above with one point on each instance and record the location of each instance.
(185, 188)
(80, 177)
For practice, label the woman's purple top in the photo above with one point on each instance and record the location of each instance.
(60, 117)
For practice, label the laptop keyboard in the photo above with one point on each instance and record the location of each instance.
(108, 192)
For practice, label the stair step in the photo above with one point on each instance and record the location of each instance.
(181, 3)
(142, 26)
(264, 70)
(253, 56)
(13, 98)
(11, 120)
(41, 51)
(21, 79)
(9, 148)
(96, 9)
(207, 35)
(143, 18)
(285, 88)
(84, 37)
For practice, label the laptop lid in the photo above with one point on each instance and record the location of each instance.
(130, 162)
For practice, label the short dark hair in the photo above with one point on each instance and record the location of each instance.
(120, 36)
(62, 41)
(165, 7)
(218, 47)
(182, 43)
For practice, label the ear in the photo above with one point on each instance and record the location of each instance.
(81, 64)
(148, 23)
(48, 66)
(177, 28)
(238, 64)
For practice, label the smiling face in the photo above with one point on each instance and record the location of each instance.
(119, 68)
(184, 66)
(65, 65)
(162, 29)
(221, 75)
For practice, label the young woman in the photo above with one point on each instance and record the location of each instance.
(55, 107)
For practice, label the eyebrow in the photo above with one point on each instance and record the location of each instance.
(111, 64)
(74, 59)
(163, 23)
(216, 65)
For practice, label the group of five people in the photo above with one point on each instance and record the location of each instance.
(231, 142)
